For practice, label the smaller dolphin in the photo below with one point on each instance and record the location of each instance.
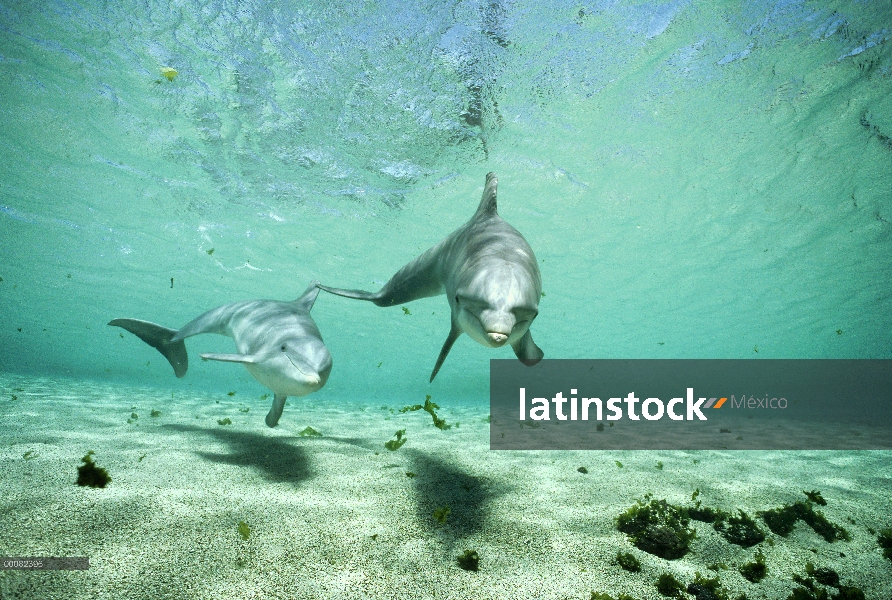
(278, 342)
(489, 275)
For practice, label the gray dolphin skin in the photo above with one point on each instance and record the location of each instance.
(278, 342)
(489, 275)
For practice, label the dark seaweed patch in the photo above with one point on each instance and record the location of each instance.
(657, 528)
(755, 571)
(88, 474)
(782, 520)
(740, 530)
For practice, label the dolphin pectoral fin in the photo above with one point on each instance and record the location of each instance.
(527, 350)
(159, 338)
(275, 412)
(236, 358)
(447, 346)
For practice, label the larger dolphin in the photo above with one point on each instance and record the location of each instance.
(489, 275)
(278, 342)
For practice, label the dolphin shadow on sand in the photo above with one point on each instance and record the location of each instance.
(275, 456)
(441, 484)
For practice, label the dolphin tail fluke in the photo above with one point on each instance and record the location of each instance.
(275, 412)
(527, 350)
(159, 338)
(447, 346)
(356, 294)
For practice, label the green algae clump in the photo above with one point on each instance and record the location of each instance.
(438, 422)
(706, 589)
(755, 571)
(429, 407)
(704, 513)
(707, 514)
(884, 540)
(397, 443)
(782, 520)
(657, 528)
(628, 562)
(88, 474)
(816, 497)
(469, 560)
(441, 514)
(669, 586)
(740, 530)
(244, 530)
(823, 575)
(309, 432)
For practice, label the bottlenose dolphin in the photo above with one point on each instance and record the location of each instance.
(489, 275)
(278, 342)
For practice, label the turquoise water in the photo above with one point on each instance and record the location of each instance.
(697, 180)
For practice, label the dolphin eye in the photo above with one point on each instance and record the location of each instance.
(456, 299)
(283, 348)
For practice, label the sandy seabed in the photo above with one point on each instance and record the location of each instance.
(339, 516)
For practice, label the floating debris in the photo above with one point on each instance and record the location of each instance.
(397, 443)
(428, 407)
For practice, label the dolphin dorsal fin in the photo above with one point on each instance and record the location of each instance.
(488, 206)
(308, 299)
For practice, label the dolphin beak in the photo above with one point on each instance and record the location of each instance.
(497, 338)
(307, 370)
